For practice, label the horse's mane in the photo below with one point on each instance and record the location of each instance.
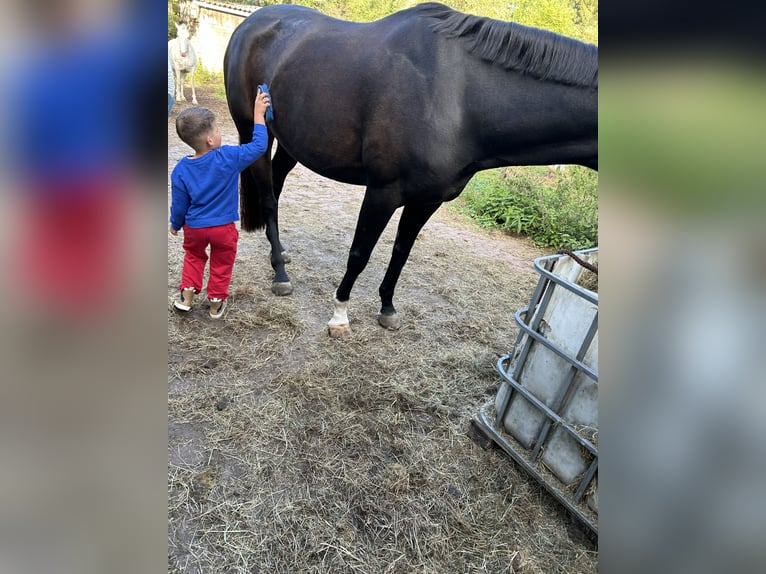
(539, 53)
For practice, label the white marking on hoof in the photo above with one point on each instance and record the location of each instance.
(390, 322)
(281, 289)
(338, 326)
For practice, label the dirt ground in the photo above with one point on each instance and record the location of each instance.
(292, 452)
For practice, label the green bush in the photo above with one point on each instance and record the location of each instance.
(555, 208)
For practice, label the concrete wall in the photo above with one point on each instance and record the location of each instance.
(212, 37)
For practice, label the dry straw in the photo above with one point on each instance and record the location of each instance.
(291, 452)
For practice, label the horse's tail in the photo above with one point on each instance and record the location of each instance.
(256, 193)
(256, 198)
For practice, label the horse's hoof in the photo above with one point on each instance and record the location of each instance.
(281, 289)
(339, 331)
(390, 322)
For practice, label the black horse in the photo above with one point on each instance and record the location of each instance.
(410, 106)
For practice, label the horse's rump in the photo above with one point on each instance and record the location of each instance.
(356, 91)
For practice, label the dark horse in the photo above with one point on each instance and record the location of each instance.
(410, 106)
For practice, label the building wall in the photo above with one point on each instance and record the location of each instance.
(212, 37)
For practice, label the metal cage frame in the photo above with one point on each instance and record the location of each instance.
(510, 370)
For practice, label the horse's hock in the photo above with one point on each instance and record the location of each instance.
(546, 411)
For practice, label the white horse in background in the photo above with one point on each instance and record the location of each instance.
(183, 59)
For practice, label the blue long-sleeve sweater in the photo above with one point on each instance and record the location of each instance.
(204, 189)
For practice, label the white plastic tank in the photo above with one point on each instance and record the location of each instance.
(555, 360)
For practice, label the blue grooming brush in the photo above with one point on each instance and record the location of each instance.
(270, 110)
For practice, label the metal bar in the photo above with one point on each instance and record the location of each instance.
(541, 406)
(573, 287)
(545, 272)
(559, 401)
(503, 406)
(486, 427)
(585, 482)
(227, 8)
(563, 354)
(534, 322)
(534, 318)
(506, 400)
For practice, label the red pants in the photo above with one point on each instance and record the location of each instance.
(223, 250)
(72, 246)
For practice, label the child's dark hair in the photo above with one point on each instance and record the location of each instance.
(193, 125)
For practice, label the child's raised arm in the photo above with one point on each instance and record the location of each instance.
(262, 104)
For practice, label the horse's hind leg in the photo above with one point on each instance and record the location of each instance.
(258, 206)
(375, 214)
(258, 177)
(412, 221)
(281, 164)
(194, 93)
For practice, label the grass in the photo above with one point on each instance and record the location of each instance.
(557, 209)
(204, 77)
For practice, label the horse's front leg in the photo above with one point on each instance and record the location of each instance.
(180, 77)
(412, 221)
(194, 93)
(258, 209)
(373, 218)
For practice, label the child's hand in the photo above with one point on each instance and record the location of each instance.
(172, 231)
(262, 104)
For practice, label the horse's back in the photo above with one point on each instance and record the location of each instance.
(249, 43)
(315, 51)
(332, 72)
(347, 96)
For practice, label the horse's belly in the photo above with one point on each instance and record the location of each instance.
(349, 175)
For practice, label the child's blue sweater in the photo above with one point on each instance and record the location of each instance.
(204, 190)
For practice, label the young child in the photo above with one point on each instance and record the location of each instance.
(205, 201)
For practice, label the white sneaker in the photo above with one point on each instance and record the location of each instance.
(217, 307)
(184, 301)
